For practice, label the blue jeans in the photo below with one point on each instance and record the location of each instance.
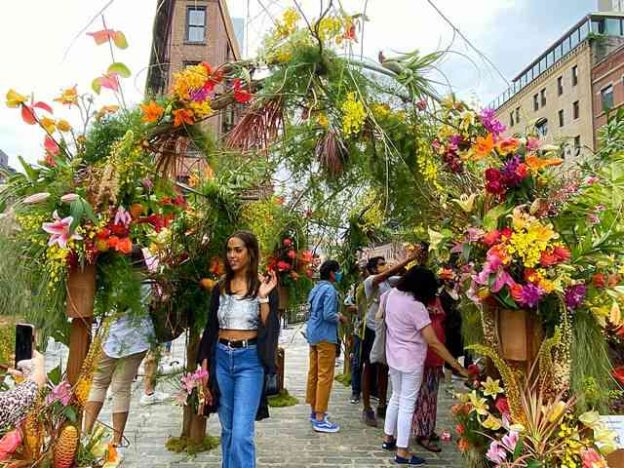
(241, 380)
(356, 366)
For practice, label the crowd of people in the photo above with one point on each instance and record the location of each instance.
(402, 313)
(400, 318)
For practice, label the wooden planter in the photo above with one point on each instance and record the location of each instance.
(282, 293)
(519, 333)
(81, 292)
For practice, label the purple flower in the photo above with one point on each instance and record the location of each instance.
(496, 453)
(592, 218)
(490, 122)
(147, 184)
(530, 295)
(511, 178)
(200, 95)
(574, 295)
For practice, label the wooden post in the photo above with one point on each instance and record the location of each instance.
(79, 341)
(281, 368)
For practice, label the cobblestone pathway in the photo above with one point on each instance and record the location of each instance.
(286, 439)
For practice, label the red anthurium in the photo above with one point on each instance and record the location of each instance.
(241, 95)
(51, 146)
(491, 237)
(287, 242)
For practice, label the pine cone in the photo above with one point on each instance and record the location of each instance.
(66, 447)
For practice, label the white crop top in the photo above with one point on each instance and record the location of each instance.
(236, 313)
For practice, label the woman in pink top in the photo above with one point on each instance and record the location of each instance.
(409, 335)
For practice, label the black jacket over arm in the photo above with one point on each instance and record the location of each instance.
(268, 335)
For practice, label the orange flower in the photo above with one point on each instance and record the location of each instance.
(124, 245)
(68, 97)
(182, 117)
(152, 112)
(463, 445)
(508, 145)
(536, 164)
(484, 146)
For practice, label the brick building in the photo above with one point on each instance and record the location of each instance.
(608, 86)
(187, 32)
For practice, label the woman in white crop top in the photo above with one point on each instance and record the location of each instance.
(243, 308)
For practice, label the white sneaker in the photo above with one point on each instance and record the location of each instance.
(154, 398)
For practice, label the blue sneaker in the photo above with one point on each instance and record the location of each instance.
(325, 426)
(313, 416)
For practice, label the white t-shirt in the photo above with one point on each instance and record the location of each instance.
(372, 296)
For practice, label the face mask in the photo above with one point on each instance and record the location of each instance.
(338, 276)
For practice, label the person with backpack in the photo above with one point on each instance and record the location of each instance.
(322, 335)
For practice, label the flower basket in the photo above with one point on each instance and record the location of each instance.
(519, 334)
(81, 291)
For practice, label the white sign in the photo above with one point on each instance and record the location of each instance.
(616, 424)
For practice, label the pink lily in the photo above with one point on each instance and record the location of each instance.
(62, 393)
(122, 217)
(59, 231)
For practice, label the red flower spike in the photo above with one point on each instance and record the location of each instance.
(241, 95)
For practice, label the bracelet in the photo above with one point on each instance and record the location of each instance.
(263, 300)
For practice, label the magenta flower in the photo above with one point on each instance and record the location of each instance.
(59, 230)
(490, 122)
(530, 295)
(574, 296)
(62, 393)
(496, 453)
(533, 143)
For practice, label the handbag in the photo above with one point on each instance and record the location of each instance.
(270, 384)
(378, 349)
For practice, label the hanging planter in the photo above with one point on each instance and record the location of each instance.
(81, 291)
(519, 333)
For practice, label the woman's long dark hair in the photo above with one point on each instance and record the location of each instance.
(421, 283)
(253, 251)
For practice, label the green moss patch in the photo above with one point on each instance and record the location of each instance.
(183, 444)
(282, 400)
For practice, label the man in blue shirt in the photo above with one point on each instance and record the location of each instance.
(322, 333)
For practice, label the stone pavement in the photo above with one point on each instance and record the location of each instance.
(285, 440)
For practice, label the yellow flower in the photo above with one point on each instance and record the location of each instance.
(491, 387)
(201, 109)
(590, 418)
(15, 99)
(288, 25)
(329, 27)
(465, 202)
(48, 124)
(322, 120)
(354, 115)
(188, 80)
(478, 404)
(555, 411)
(63, 125)
(68, 97)
(492, 423)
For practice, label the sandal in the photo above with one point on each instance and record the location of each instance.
(428, 444)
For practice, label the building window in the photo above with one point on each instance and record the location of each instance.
(542, 127)
(195, 24)
(606, 96)
(577, 145)
(560, 86)
(574, 75)
(190, 63)
(576, 110)
(517, 115)
(536, 102)
(561, 121)
(511, 119)
(543, 96)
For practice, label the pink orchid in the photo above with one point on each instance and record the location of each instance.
(122, 217)
(496, 453)
(62, 393)
(502, 278)
(59, 230)
(510, 441)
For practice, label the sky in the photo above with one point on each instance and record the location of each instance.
(44, 48)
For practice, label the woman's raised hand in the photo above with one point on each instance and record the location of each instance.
(267, 285)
